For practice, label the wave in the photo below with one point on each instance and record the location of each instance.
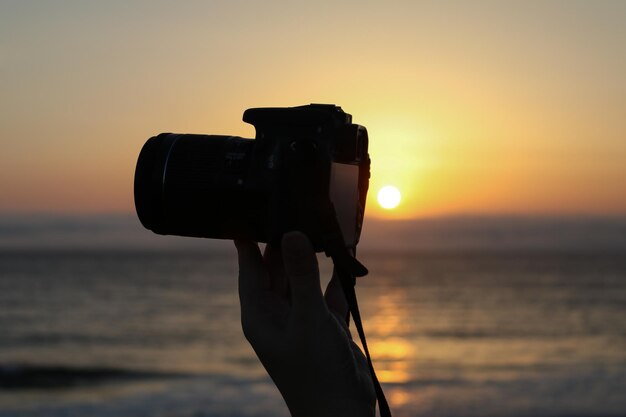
(20, 376)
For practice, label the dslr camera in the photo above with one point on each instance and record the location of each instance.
(307, 169)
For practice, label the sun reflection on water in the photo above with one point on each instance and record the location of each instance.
(391, 352)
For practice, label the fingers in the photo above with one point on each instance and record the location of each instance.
(253, 279)
(273, 258)
(335, 298)
(303, 274)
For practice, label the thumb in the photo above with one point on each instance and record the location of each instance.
(303, 274)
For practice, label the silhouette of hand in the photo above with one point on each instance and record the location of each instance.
(301, 336)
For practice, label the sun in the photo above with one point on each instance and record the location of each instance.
(389, 197)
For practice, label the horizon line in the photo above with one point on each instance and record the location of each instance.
(429, 217)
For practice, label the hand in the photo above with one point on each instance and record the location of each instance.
(300, 336)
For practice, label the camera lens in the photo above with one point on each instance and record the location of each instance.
(196, 185)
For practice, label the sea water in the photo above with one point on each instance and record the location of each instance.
(157, 333)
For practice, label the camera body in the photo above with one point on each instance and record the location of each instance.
(307, 169)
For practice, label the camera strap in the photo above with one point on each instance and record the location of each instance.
(348, 268)
(348, 283)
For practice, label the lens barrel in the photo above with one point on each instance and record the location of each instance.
(196, 185)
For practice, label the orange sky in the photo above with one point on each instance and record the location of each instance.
(472, 108)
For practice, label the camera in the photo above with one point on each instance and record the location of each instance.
(307, 169)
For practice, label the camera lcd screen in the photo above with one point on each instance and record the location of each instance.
(344, 194)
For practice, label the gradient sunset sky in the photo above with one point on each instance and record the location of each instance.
(472, 107)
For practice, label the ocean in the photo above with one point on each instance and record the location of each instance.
(156, 332)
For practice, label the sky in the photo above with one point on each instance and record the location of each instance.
(472, 108)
